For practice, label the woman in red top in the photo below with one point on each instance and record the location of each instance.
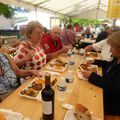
(31, 49)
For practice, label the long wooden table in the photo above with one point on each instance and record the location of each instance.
(83, 92)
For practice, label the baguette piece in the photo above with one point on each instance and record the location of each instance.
(81, 112)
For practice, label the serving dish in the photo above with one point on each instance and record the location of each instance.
(88, 67)
(70, 116)
(93, 55)
(57, 65)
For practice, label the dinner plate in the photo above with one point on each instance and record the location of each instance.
(31, 92)
(55, 66)
(92, 55)
(70, 116)
(11, 115)
(80, 75)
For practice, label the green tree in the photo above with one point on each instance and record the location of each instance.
(6, 10)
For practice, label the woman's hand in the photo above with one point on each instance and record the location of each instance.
(30, 54)
(34, 73)
(86, 73)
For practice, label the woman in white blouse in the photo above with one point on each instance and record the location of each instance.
(30, 54)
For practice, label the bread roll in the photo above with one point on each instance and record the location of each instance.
(2, 116)
(82, 113)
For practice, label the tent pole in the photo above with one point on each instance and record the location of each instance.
(35, 11)
(98, 9)
(114, 22)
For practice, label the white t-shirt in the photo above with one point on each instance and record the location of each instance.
(104, 47)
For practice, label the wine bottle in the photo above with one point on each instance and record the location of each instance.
(47, 100)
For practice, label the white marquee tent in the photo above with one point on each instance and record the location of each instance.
(72, 8)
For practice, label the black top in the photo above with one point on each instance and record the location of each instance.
(110, 82)
(103, 35)
(87, 35)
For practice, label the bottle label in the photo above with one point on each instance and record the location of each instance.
(47, 107)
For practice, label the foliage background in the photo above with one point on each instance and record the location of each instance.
(6, 10)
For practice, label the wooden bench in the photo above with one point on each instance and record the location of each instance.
(110, 117)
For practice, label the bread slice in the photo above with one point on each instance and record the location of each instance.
(81, 112)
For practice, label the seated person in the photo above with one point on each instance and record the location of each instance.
(9, 72)
(31, 50)
(52, 43)
(68, 36)
(4, 49)
(22, 33)
(87, 33)
(110, 80)
(45, 32)
(104, 34)
(102, 47)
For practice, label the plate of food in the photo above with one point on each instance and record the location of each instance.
(34, 88)
(57, 65)
(93, 55)
(80, 113)
(85, 66)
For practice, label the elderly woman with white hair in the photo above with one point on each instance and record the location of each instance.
(31, 50)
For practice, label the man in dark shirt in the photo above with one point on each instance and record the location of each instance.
(104, 34)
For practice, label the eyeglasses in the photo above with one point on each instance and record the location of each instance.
(38, 33)
(57, 33)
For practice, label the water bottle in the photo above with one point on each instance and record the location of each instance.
(69, 80)
(82, 55)
(72, 60)
(69, 52)
(74, 51)
(85, 36)
(70, 74)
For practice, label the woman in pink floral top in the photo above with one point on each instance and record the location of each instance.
(30, 53)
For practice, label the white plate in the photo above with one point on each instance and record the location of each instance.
(70, 116)
(27, 87)
(38, 96)
(90, 55)
(55, 68)
(80, 75)
(11, 115)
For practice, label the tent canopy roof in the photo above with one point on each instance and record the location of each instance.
(71, 8)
